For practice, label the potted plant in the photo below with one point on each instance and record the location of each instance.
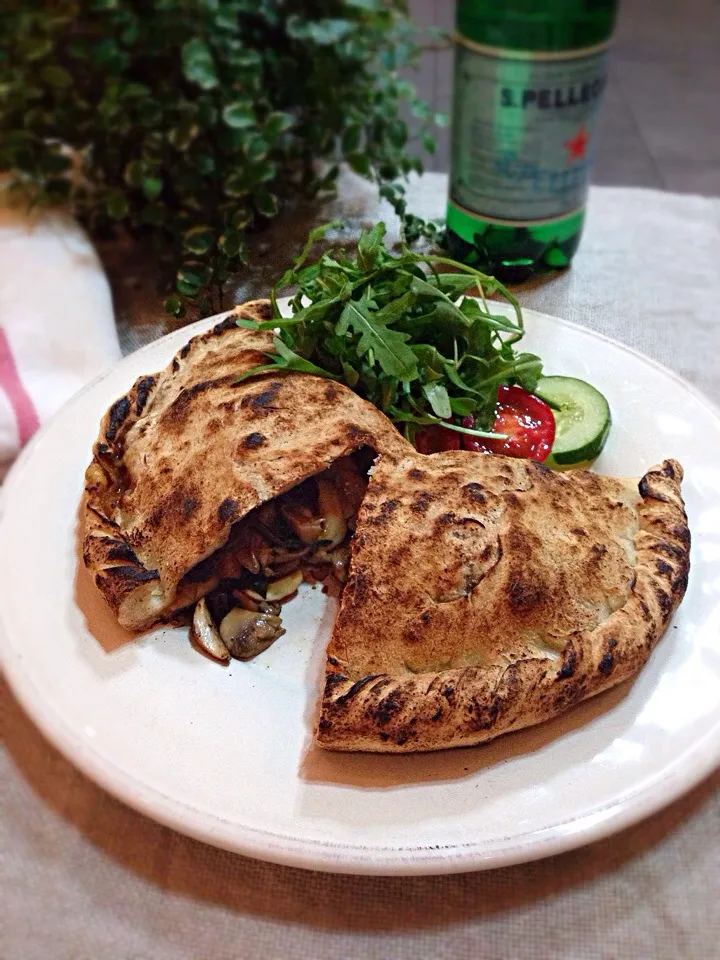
(186, 125)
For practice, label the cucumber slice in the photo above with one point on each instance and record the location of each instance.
(582, 420)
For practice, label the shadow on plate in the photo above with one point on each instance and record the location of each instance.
(376, 771)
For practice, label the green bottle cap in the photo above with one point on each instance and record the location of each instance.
(536, 25)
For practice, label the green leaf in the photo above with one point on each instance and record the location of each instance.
(428, 142)
(191, 277)
(239, 115)
(188, 288)
(265, 202)
(231, 243)
(322, 32)
(183, 134)
(174, 305)
(241, 218)
(439, 400)
(328, 182)
(153, 148)
(37, 48)
(369, 245)
(351, 139)
(116, 205)
(455, 378)
(204, 164)
(397, 309)
(134, 172)
(198, 240)
(291, 361)
(263, 367)
(235, 185)
(359, 163)
(262, 172)
(454, 285)
(132, 91)
(152, 187)
(397, 132)
(430, 360)
(350, 375)
(317, 233)
(249, 59)
(131, 33)
(56, 76)
(278, 123)
(420, 109)
(256, 149)
(462, 406)
(389, 346)
(198, 64)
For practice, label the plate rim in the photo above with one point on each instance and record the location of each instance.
(695, 764)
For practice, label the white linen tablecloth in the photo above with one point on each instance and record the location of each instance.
(85, 878)
(56, 321)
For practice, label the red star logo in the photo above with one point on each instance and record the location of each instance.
(576, 146)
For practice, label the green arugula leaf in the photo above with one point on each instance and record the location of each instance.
(439, 400)
(351, 374)
(452, 284)
(389, 346)
(369, 246)
(462, 406)
(257, 372)
(396, 309)
(291, 361)
(455, 378)
(400, 333)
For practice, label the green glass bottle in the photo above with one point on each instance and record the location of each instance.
(529, 78)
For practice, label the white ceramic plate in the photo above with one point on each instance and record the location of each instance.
(225, 755)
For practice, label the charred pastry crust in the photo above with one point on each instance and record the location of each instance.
(400, 710)
(189, 452)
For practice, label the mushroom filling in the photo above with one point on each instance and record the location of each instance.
(299, 536)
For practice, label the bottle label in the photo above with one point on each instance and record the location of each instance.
(523, 127)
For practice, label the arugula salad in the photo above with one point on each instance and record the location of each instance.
(419, 336)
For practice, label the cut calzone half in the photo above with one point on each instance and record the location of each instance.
(210, 499)
(486, 594)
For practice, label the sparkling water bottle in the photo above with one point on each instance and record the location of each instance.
(529, 78)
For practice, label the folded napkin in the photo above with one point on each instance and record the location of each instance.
(57, 329)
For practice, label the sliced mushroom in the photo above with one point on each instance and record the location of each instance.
(306, 524)
(273, 608)
(279, 589)
(241, 552)
(247, 599)
(334, 528)
(246, 634)
(281, 556)
(204, 632)
(340, 557)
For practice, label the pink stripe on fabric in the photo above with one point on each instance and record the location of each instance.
(25, 414)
